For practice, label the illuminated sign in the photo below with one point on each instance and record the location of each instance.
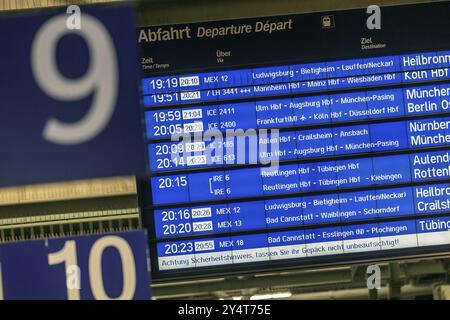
(345, 151)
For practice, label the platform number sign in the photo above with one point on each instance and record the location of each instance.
(70, 103)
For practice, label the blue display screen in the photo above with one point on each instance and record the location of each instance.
(268, 162)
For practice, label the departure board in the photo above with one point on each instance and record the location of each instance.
(291, 141)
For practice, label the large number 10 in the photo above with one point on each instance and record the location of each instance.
(100, 78)
(68, 256)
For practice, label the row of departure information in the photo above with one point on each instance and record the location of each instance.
(296, 72)
(300, 111)
(291, 88)
(300, 211)
(297, 244)
(265, 148)
(302, 177)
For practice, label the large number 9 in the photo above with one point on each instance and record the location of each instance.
(101, 77)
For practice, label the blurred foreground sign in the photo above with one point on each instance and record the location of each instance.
(69, 105)
(103, 267)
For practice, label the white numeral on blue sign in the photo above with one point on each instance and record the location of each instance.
(101, 79)
(68, 256)
(128, 268)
